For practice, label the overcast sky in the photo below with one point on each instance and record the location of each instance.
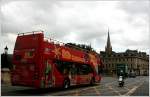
(79, 22)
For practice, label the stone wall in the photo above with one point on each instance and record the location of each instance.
(5, 76)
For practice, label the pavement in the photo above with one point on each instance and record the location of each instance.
(138, 86)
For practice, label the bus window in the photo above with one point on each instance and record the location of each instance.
(84, 70)
(89, 69)
(59, 66)
(63, 67)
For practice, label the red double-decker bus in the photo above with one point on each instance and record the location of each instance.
(42, 63)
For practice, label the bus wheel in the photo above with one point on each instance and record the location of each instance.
(66, 84)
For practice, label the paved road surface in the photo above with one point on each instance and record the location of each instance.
(108, 87)
(143, 89)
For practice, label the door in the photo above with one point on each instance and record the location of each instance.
(47, 74)
(84, 74)
(74, 78)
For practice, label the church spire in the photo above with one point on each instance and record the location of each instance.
(108, 40)
(108, 48)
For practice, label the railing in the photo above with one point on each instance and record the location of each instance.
(27, 33)
(55, 41)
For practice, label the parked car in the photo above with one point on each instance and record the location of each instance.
(132, 74)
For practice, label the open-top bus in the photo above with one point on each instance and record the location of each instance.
(42, 63)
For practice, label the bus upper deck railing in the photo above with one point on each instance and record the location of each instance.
(59, 43)
(27, 33)
(53, 40)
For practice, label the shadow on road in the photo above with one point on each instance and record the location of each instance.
(40, 92)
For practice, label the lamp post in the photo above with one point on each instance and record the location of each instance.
(5, 57)
(6, 50)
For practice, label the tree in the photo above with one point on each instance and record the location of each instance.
(80, 46)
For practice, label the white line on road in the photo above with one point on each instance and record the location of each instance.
(77, 92)
(126, 88)
(133, 89)
(97, 92)
(134, 82)
(114, 90)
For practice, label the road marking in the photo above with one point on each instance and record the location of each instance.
(134, 82)
(97, 92)
(107, 84)
(86, 88)
(133, 89)
(77, 92)
(126, 88)
(110, 87)
(114, 90)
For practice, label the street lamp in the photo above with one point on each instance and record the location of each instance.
(5, 57)
(6, 50)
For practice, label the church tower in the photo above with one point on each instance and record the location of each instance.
(108, 47)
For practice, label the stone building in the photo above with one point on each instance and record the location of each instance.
(136, 61)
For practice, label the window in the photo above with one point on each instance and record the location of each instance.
(123, 59)
(119, 59)
(105, 60)
(73, 68)
(113, 65)
(29, 54)
(105, 65)
(85, 69)
(131, 65)
(59, 66)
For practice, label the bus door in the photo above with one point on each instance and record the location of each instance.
(48, 74)
(74, 78)
(84, 74)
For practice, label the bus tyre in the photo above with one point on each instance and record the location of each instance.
(92, 81)
(66, 84)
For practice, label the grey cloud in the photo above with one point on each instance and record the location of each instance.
(29, 13)
(61, 19)
(127, 42)
(135, 7)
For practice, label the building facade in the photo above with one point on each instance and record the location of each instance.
(136, 61)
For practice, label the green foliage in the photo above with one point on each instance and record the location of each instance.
(80, 46)
(6, 61)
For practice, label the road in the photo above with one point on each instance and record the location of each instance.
(138, 86)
